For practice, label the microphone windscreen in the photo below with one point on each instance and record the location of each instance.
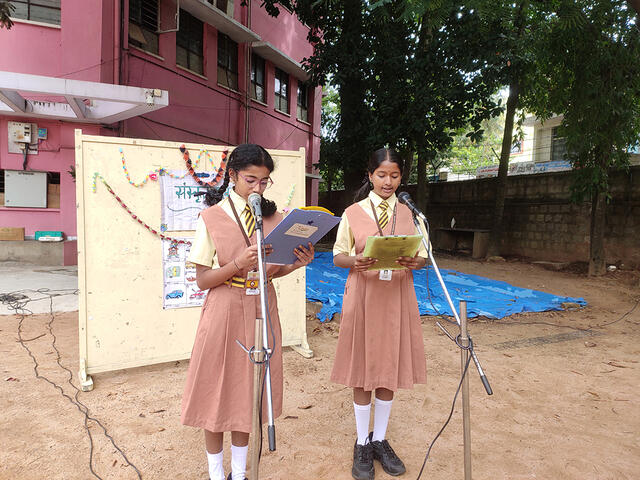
(404, 197)
(255, 202)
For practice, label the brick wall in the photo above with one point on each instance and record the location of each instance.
(540, 220)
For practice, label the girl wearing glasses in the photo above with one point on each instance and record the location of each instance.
(380, 347)
(219, 388)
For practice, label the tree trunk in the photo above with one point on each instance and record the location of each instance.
(353, 110)
(597, 265)
(407, 155)
(422, 192)
(495, 238)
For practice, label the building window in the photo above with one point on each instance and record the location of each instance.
(558, 146)
(281, 91)
(45, 11)
(220, 4)
(143, 24)
(516, 146)
(257, 78)
(227, 62)
(303, 102)
(189, 51)
(1, 187)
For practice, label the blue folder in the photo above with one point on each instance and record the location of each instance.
(299, 227)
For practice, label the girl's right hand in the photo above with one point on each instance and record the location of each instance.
(249, 257)
(362, 264)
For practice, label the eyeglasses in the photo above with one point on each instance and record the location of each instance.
(252, 181)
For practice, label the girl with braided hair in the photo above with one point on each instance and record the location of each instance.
(219, 388)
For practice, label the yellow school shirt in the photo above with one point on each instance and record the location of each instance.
(344, 237)
(203, 250)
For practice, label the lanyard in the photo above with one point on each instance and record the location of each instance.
(235, 214)
(393, 225)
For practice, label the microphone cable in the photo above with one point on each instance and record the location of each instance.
(453, 404)
(438, 314)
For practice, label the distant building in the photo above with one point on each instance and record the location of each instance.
(542, 150)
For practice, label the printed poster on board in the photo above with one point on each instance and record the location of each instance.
(180, 288)
(180, 205)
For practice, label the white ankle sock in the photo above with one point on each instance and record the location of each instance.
(381, 419)
(216, 470)
(362, 412)
(238, 462)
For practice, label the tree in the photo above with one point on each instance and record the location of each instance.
(590, 70)
(408, 75)
(514, 61)
(329, 165)
(451, 79)
(465, 155)
(6, 8)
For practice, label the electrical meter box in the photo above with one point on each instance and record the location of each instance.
(25, 188)
(21, 136)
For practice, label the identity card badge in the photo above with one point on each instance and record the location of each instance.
(385, 275)
(252, 284)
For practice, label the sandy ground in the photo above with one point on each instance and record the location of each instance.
(563, 407)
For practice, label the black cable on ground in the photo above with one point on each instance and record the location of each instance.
(17, 302)
(453, 404)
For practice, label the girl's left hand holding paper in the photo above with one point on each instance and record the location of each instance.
(412, 263)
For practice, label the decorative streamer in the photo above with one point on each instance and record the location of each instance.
(96, 175)
(153, 175)
(185, 155)
(290, 197)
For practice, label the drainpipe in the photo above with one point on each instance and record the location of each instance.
(247, 89)
(117, 32)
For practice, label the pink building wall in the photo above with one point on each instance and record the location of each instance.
(88, 45)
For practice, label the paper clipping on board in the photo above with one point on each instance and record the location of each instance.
(179, 277)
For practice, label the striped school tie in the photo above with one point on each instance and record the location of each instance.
(384, 216)
(249, 221)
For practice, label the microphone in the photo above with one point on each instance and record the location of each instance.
(255, 202)
(405, 198)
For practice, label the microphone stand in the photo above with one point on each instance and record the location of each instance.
(262, 354)
(483, 377)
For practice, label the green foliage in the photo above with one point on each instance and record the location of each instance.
(6, 9)
(590, 72)
(329, 164)
(467, 152)
(407, 73)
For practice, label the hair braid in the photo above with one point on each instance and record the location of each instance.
(214, 195)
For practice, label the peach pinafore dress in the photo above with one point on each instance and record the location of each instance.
(380, 343)
(218, 393)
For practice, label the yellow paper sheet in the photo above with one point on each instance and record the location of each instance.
(388, 249)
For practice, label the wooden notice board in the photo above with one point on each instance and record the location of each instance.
(122, 322)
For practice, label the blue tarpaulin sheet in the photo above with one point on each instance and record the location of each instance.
(485, 297)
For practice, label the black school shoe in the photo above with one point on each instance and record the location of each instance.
(363, 468)
(230, 475)
(383, 452)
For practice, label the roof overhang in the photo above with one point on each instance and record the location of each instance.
(84, 102)
(217, 18)
(533, 121)
(280, 59)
